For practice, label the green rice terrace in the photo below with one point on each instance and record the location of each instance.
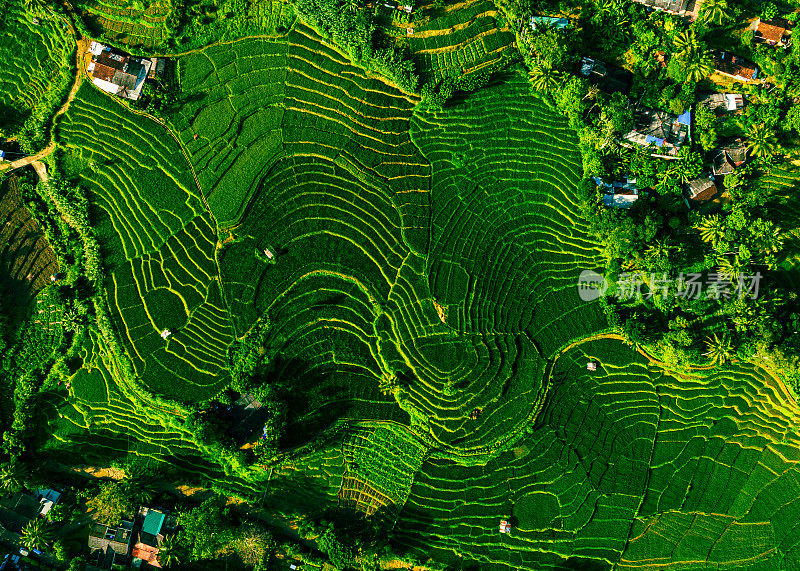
(332, 286)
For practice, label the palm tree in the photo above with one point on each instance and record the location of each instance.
(545, 78)
(685, 43)
(352, 5)
(714, 11)
(168, 551)
(712, 228)
(699, 67)
(731, 268)
(36, 534)
(719, 349)
(761, 141)
(591, 93)
(12, 478)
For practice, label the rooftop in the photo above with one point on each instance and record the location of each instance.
(735, 66)
(117, 72)
(770, 33)
(702, 188)
(729, 158)
(549, 22)
(664, 130)
(609, 78)
(674, 6)
(147, 553)
(153, 522)
(117, 538)
(726, 101)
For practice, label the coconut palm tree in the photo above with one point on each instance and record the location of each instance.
(712, 228)
(12, 477)
(545, 78)
(719, 348)
(36, 534)
(699, 67)
(168, 551)
(731, 268)
(352, 5)
(685, 43)
(714, 11)
(761, 141)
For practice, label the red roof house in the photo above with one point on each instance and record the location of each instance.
(147, 553)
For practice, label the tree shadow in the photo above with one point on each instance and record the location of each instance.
(315, 398)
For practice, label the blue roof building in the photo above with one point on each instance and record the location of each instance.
(548, 22)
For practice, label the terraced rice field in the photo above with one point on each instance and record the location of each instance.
(458, 39)
(626, 466)
(130, 23)
(321, 172)
(158, 243)
(105, 418)
(417, 271)
(26, 258)
(36, 63)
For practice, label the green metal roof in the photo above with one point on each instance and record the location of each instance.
(153, 522)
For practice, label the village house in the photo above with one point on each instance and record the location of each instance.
(248, 418)
(722, 101)
(619, 194)
(157, 65)
(548, 22)
(701, 189)
(109, 544)
(607, 77)
(734, 66)
(154, 526)
(677, 7)
(117, 72)
(47, 499)
(729, 159)
(770, 33)
(665, 131)
(18, 509)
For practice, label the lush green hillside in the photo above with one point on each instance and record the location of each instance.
(36, 54)
(158, 242)
(458, 38)
(626, 466)
(408, 278)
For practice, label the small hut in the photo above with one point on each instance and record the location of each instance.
(505, 526)
(591, 366)
(166, 333)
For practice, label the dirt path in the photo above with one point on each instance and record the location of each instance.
(82, 45)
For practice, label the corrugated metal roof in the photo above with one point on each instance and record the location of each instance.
(153, 522)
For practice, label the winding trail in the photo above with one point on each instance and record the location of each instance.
(81, 46)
